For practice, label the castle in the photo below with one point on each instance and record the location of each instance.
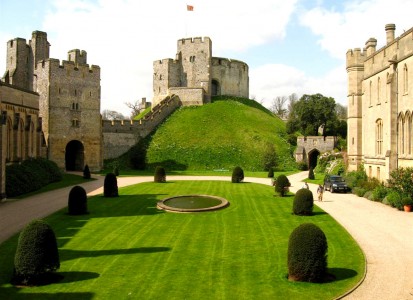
(52, 109)
(380, 98)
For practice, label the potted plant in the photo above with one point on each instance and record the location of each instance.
(407, 204)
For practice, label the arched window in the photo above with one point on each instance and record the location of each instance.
(388, 82)
(379, 137)
(400, 130)
(408, 135)
(378, 90)
(405, 79)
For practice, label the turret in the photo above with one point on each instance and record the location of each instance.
(390, 29)
(77, 56)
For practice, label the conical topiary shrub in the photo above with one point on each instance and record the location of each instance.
(86, 172)
(307, 254)
(271, 173)
(160, 174)
(116, 170)
(110, 186)
(311, 174)
(237, 175)
(77, 203)
(36, 255)
(303, 203)
(281, 185)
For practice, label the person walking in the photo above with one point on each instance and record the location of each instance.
(320, 191)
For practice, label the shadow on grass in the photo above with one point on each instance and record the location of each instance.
(342, 273)
(67, 254)
(77, 276)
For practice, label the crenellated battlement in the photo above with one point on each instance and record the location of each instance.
(194, 40)
(68, 65)
(355, 57)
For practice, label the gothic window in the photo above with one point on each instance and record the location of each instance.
(370, 171)
(388, 88)
(400, 130)
(379, 137)
(73, 106)
(378, 173)
(405, 80)
(378, 90)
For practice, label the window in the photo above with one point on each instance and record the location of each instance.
(378, 90)
(75, 123)
(405, 80)
(400, 131)
(378, 173)
(388, 88)
(370, 90)
(379, 137)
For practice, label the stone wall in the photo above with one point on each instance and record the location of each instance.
(231, 76)
(308, 144)
(120, 136)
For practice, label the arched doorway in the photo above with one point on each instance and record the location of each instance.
(312, 158)
(74, 156)
(215, 88)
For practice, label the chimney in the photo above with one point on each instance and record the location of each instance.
(390, 28)
(371, 46)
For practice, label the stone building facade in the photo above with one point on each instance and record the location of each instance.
(194, 75)
(67, 101)
(380, 105)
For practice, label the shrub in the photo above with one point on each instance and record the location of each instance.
(271, 173)
(401, 181)
(269, 159)
(36, 254)
(303, 203)
(394, 199)
(281, 185)
(77, 203)
(110, 186)
(116, 170)
(380, 192)
(30, 175)
(368, 195)
(160, 174)
(311, 174)
(359, 191)
(356, 178)
(237, 175)
(307, 254)
(302, 166)
(86, 172)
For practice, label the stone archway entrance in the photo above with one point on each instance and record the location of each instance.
(74, 156)
(312, 158)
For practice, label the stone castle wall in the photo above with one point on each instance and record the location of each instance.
(231, 76)
(120, 136)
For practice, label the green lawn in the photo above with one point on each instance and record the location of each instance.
(127, 249)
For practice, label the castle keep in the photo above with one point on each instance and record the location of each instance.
(380, 105)
(194, 75)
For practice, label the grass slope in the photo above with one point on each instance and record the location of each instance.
(221, 135)
(126, 248)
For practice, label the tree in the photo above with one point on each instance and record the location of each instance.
(112, 115)
(312, 112)
(136, 107)
(278, 106)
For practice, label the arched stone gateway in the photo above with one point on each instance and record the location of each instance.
(215, 88)
(312, 158)
(74, 156)
(310, 147)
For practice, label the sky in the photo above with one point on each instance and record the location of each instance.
(294, 46)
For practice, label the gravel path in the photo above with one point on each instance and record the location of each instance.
(384, 233)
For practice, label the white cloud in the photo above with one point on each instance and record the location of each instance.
(270, 81)
(124, 37)
(359, 21)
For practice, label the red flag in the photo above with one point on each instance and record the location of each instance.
(189, 8)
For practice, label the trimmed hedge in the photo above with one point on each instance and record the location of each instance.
(160, 174)
(77, 203)
(86, 172)
(311, 174)
(281, 185)
(270, 173)
(303, 203)
(237, 175)
(31, 175)
(307, 254)
(110, 186)
(36, 254)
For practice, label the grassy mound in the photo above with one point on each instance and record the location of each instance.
(226, 133)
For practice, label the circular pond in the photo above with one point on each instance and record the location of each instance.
(192, 203)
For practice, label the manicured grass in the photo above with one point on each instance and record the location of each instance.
(319, 179)
(126, 248)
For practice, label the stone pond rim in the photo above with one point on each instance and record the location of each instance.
(192, 203)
